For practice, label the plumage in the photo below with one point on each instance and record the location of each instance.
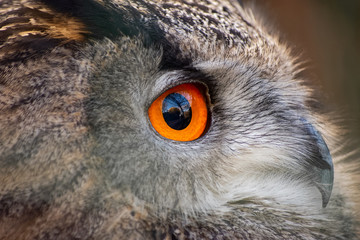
(80, 159)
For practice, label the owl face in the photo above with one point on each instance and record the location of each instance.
(171, 111)
(259, 142)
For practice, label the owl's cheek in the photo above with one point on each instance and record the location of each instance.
(302, 176)
(268, 176)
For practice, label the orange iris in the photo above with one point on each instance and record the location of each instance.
(180, 113)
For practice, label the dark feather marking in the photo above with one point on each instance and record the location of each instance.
(29, 46)
(14, 20)
(111, 23)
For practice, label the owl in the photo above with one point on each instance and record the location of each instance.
(154, 119)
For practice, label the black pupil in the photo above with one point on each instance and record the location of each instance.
(176, 111)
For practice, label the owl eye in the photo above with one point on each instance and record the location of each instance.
(180, 113)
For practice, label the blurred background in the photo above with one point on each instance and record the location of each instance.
(327, 33)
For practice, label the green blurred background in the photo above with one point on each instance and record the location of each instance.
(327, 33)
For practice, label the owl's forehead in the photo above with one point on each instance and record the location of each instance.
(201, 34)
(204, 20)
(181, 28)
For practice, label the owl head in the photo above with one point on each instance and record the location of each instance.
(169, 109)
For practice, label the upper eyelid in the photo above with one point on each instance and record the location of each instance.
(171, 79)
(167, 79)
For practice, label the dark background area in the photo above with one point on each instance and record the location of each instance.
(327, 34)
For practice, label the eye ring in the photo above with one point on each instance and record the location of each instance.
(189, 101)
